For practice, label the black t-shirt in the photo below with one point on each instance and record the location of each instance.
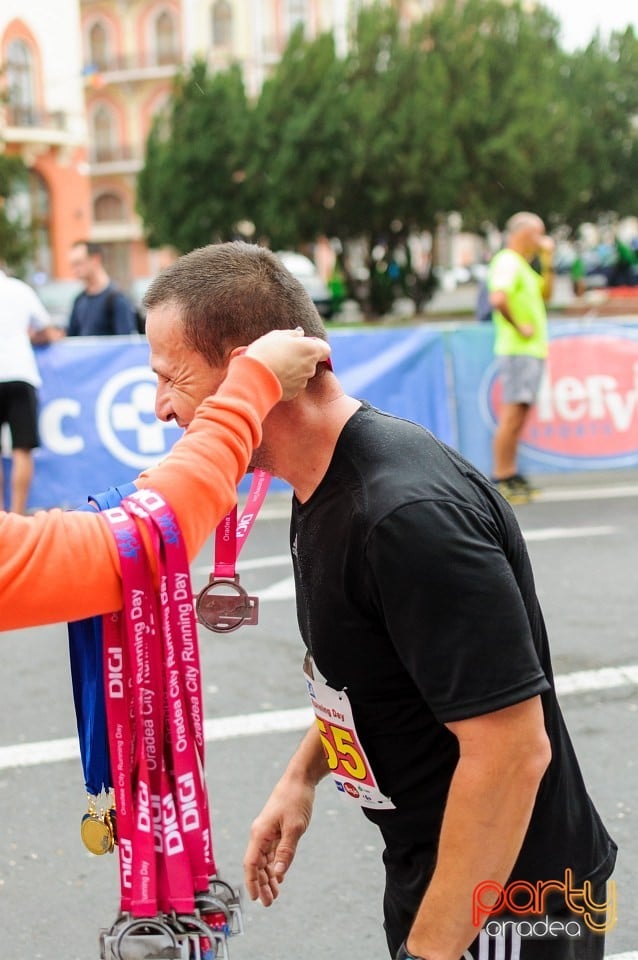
(415, 594)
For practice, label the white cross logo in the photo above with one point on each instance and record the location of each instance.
(151, 438)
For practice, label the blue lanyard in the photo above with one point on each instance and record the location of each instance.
(85, 653)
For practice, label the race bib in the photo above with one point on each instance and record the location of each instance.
(349, 766)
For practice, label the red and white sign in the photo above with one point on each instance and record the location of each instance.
(587, 408)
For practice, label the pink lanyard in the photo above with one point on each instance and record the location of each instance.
(183, 686)
(152, 672)
(231, 535)
(223, 604)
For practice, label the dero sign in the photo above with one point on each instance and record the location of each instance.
(587, 410)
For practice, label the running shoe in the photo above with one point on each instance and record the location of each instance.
(514, 493)
(518, 480)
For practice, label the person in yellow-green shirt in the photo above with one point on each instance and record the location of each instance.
(518, 294)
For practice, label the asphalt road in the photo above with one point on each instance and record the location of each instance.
(55, 896)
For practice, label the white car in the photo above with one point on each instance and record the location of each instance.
(304, 270)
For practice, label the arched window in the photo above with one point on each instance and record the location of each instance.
(104, 134)
(109, 206)
(98, 46)
(165, 39)
(222, 24)
(21, 83)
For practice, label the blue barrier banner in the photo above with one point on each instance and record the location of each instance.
(97, 419)
(98, 426)
(401, 371)
(470, 349)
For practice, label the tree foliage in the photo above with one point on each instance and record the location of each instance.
(503, 70)
(298, 145)
(16, 240)
(476, 108)
(602, 92)
(190, 190)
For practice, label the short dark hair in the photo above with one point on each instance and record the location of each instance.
(93, 249)
(228, 294)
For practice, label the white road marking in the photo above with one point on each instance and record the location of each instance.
(567, 533)
(275, 512)
(277, 721)
(584, 681)
(559, 494)
(248, 724)
(281, 590)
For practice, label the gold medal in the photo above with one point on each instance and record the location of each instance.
(96, 830)
(110, 819)
(95, 833)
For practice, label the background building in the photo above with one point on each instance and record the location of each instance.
(131, 53)
(84, 79)
(42, 120)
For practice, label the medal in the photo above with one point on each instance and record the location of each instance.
(97, 829)
(223, 605)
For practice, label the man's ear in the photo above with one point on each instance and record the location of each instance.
(235, 352)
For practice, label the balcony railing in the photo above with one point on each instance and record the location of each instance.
(114, 154)
(147, 60)
(30, 118)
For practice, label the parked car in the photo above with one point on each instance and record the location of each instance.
(304, 270)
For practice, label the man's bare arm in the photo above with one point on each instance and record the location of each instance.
(503, 756)
(277, 830)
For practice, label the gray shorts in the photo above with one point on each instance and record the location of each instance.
(520, 378)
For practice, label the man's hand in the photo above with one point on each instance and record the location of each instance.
(291, 356)
(274, 837)
(500, 301)
(526, 330)
(546, 246)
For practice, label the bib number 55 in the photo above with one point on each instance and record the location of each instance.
(341, 750)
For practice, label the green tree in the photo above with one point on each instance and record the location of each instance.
(299, 145)
(510, 120)
(190, 191)
(16, 238)
(602, 94)
(404, 168)
(476, 108)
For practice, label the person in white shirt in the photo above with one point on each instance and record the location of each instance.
(23, 322)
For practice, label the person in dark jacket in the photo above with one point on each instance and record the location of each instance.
(101, 309)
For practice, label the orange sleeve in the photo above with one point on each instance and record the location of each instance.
(59, 565)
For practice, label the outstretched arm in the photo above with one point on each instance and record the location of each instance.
(57, 566)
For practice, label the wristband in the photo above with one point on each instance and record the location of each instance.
(404, 954)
